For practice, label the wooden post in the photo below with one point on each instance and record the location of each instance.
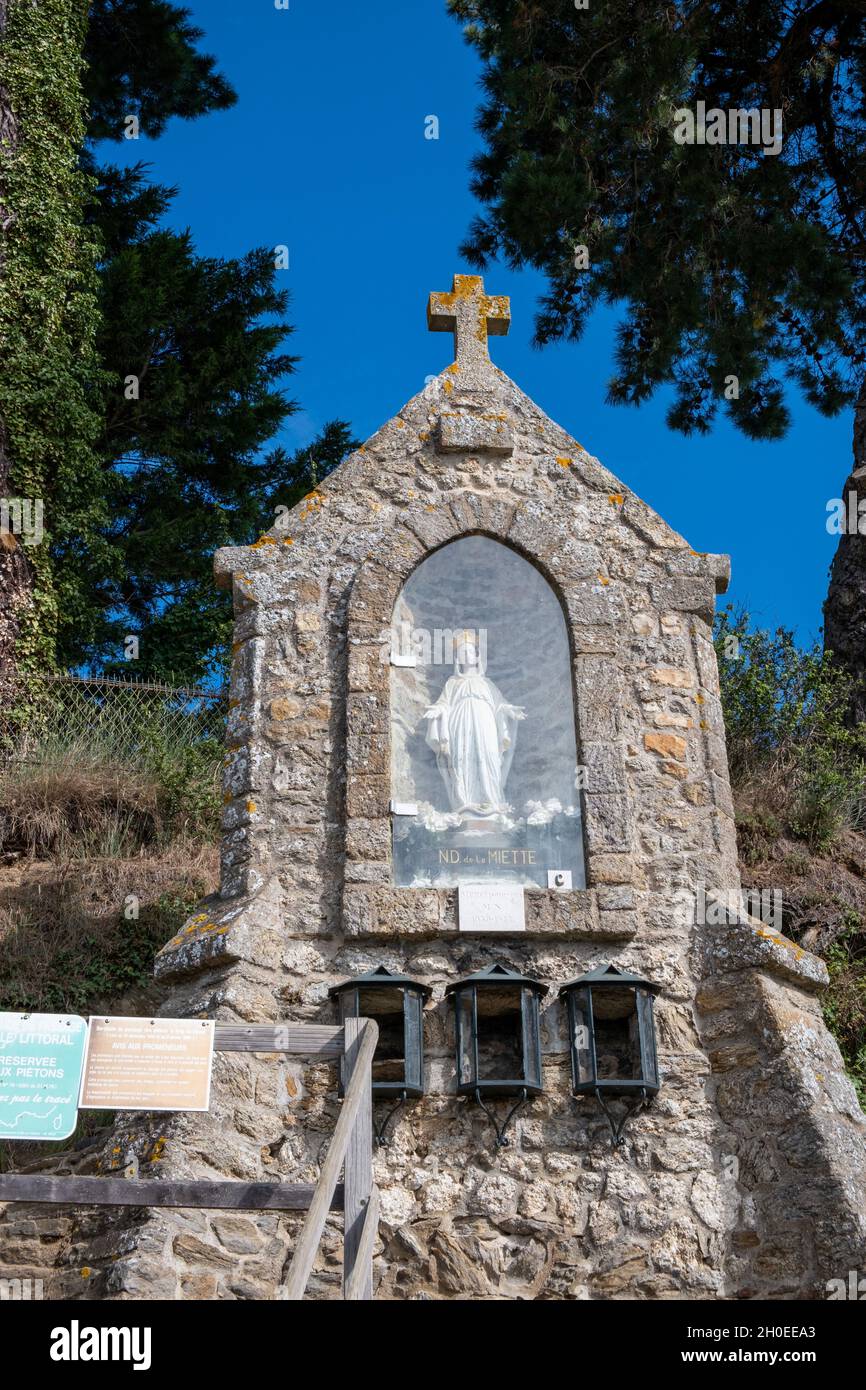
(358, 1178)
(358, 1093)
(364, 1263)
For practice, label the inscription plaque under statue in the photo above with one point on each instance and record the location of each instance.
(483, 907)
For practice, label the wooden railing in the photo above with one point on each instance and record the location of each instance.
(351, 1150)
(352, 1146)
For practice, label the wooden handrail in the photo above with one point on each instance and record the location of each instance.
(307, 1039)
(358, 1092)
(160, 1192)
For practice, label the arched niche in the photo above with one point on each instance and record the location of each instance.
(484, 774)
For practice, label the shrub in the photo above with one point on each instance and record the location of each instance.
(108, 771)
(845, 1002)
(62, 952)
(790, 749)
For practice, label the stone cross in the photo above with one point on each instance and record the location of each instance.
(470, 315)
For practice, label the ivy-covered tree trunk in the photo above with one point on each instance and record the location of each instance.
(845, 608)
(49, 372)
(15, 572)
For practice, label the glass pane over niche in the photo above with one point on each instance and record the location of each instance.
(483, 755)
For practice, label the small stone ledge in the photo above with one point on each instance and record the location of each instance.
(382, 910)
(221, 933)
(684, 594)
(750, 943)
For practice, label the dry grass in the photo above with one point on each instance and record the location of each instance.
(79, 935)
(67, 945)
(91, 801)
(77, 806)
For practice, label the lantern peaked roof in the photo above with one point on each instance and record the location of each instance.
(497, 975)
(610, 975)
(380, 976)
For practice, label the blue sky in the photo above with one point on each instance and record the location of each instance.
(325, 153)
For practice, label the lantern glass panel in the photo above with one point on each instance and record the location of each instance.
(649, 1061)
(531, 1038)
(582, 1038)
(385, 1006)
(617, 1035)
(465, 1032)
(500, 1035)
(413, 1010)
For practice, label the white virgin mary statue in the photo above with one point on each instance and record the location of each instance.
(472, 731)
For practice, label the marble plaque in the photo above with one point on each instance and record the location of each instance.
(483, 907)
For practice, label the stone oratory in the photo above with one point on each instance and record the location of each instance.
(475, 727)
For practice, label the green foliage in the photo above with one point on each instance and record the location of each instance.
(188, 783)
(88, 962)
(186, 467)
(138, 493)
(785, 716)
(183, 467)
(143, 61)
(724, 259)
(844, 1003)
(112, 772)
(48, 310)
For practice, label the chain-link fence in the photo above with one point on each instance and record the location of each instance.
(125, 719)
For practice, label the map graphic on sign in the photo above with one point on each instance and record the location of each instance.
(40, 1072)
(148, 1064)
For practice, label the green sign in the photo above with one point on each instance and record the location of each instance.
(41, 1056)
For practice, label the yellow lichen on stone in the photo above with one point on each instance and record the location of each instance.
(616, 499)
(263, 540)
(564, 461)
(251, 807)
(312, 503)
(770, 935)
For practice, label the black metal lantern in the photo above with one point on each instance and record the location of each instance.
(498, 1038)
(396, 1003)
(611, 1033)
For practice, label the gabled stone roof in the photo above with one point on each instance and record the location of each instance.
(472, 423)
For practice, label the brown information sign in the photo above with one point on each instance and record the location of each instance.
(147, 1064)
